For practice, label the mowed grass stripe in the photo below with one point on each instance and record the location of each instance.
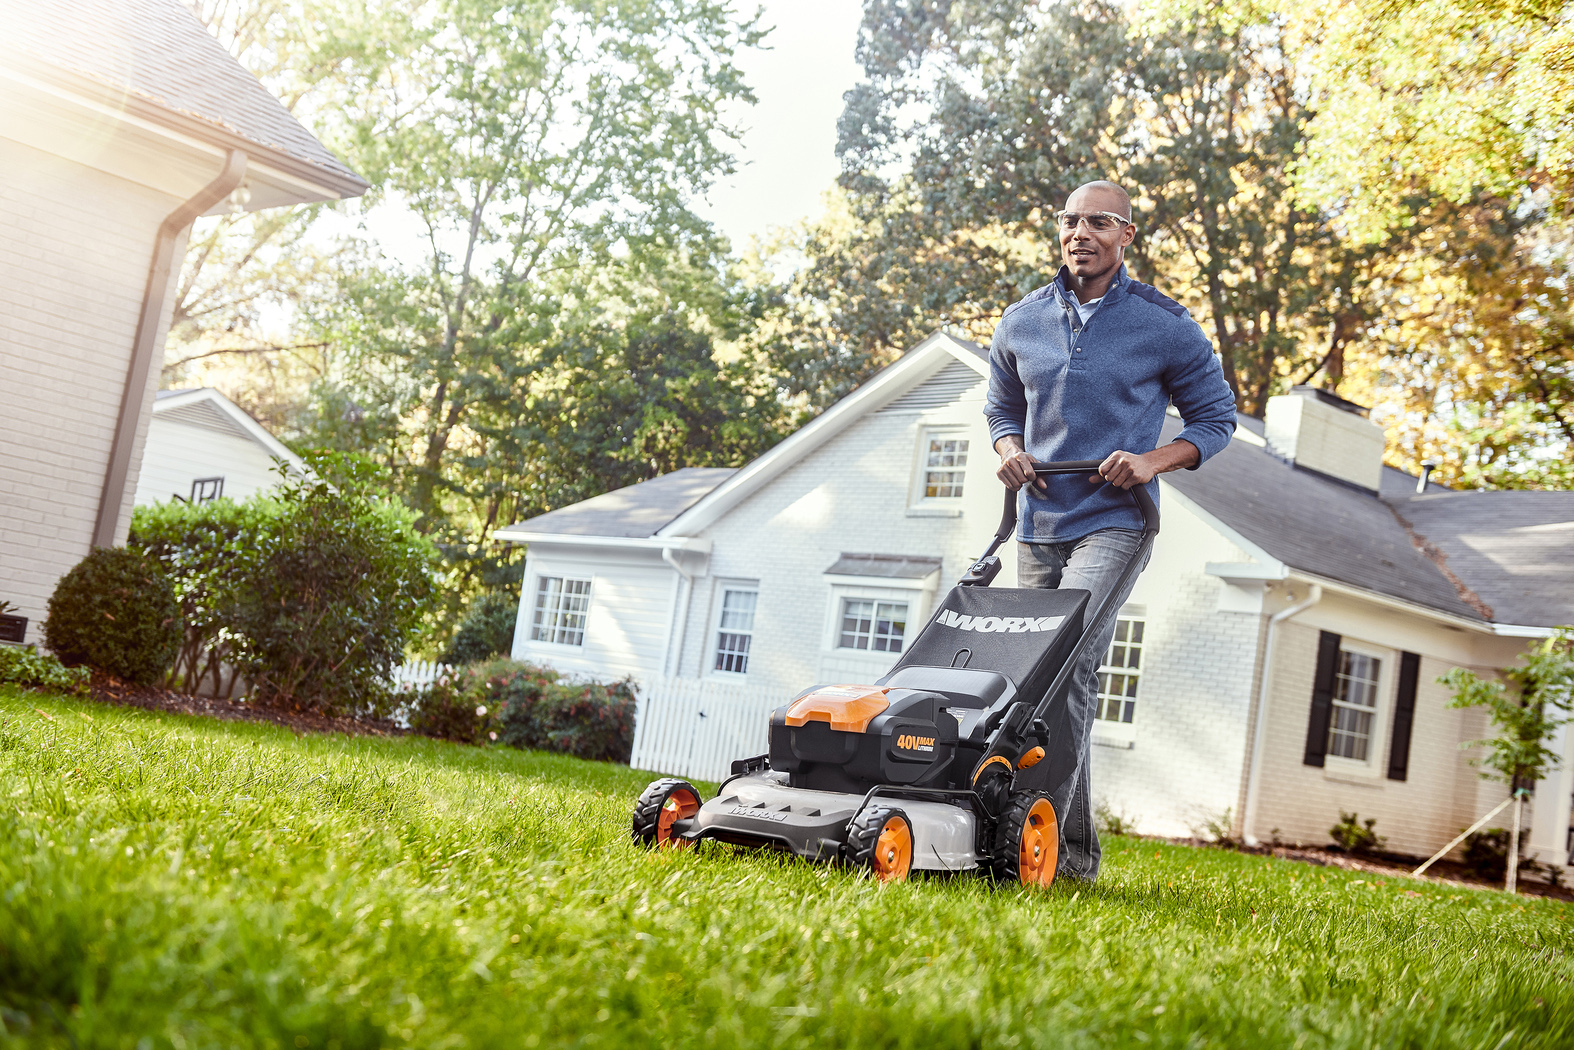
(169, 881)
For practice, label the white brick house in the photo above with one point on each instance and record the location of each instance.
(820, 559)
(121, 121)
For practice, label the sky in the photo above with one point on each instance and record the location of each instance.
(788, 154)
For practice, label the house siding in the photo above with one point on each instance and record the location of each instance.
(851, 495)
(1183, 764)
(626, 628)
(67, 321)
(176, 454)
(1442, 793)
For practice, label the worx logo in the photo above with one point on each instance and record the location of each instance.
(909, 742)
(1001, 624)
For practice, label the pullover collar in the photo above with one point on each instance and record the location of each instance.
(1117, 287)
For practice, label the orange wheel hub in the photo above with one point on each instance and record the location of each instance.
(893, 851)
(680, 805)
(1040, 849)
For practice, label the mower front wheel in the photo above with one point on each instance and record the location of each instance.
(1027, 841)
(881, 839)
(663, 804)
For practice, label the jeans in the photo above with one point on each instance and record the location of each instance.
(1092, 563)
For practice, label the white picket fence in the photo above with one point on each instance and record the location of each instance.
(418, 674)
(695, 727)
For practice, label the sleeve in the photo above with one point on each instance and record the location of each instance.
(1006, 405)
(1200, 394)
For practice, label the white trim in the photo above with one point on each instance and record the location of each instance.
(236, 415)
(1336, 767)
(944, 505)
(713, 628)
(915, 366)
(696, 544)
(1401, 605)
(925, 583)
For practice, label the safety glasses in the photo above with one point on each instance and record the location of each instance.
(1098, 221)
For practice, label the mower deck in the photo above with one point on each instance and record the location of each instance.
(761, 809)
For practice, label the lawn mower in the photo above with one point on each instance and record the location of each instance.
(947, 763)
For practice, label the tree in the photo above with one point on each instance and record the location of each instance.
(1461, 97)
(976, 123)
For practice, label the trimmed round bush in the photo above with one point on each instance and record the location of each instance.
(116, 612)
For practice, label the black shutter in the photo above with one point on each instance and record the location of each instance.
(1404, 715)
(1322, 698)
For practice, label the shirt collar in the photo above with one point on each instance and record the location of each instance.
(1117, 286)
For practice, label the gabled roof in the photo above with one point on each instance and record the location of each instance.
(1498, 557)
(206, 407)
(922, 362)
(154, 59)
(633, 512)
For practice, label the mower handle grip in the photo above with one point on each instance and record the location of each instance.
(1139, 495)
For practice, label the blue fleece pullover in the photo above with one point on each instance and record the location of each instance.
(1081, 391)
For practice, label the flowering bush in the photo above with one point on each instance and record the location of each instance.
(526, 706)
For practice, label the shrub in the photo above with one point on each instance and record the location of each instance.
(487, 630)
(115, 612)
(199, 546)
(330, 590)
(35, 670)
(1356, 836)
(454, 708)
(529, 707)
(1486, 854)
(1112, 821)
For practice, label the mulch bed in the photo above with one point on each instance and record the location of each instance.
(111, 690)
(1446, 872)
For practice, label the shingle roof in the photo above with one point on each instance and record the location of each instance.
(886, 566)
(157, 51)
(1513, 549)
(635, 511)
(1315, 524)
(1511, 554)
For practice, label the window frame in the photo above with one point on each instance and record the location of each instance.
(713, 632)
(1376, 760)
(918, 594)
(874, 635)
(944, 432)
(1106, 730)
(198, 484)
(536, 595)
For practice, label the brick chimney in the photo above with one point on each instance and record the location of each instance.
(1325, 433)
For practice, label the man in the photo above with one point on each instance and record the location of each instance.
(1083, 369)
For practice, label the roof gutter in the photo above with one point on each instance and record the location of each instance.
(1260, 733)
(146, 342)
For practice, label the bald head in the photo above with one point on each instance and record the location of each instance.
(1100, 195)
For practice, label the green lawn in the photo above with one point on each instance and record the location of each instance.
(168, 881)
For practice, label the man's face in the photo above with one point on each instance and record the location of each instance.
(1087, 253)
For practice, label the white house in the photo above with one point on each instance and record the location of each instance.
(201, 445)
(1276, 662)
(121, 121)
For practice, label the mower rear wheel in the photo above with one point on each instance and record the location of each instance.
(663, 804)
(1027, 841)
(881, 839)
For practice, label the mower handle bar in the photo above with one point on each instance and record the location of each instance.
(1139, 495)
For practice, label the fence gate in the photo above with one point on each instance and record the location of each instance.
(692, 727)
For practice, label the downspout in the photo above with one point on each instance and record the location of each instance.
(680, 622)
(1260, 735)
(169, 233)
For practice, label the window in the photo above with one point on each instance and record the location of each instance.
(561, 605)
(1354, 705)
(945, 463)
(1117, 699)
(873, 625)
(205, 489)
(735, 630)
